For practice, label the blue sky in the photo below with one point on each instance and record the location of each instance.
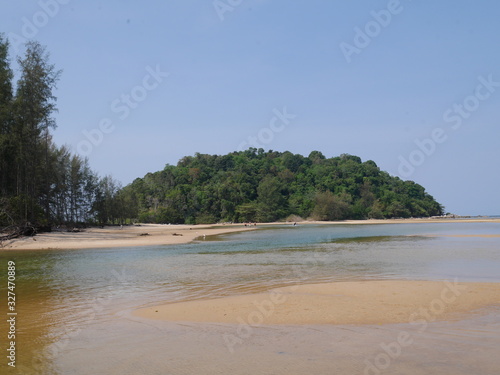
(412, 85)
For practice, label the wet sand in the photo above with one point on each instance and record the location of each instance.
(358, 302)
(462, 347)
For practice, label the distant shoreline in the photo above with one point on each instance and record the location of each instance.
(163, 234)
(479, 219)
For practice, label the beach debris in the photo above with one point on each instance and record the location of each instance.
(176, 234)
(144, 234)
(16, 232)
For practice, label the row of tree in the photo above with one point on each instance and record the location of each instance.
(255, 185)
(42, 184)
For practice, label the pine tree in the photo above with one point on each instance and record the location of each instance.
(33, 108)
(6, 96)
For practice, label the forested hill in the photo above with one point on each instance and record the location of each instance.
(255, 185)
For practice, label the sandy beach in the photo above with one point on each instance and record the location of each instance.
(161, 234)
(128, 236)
(357, 302)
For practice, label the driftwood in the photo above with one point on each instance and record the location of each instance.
(17, 231)
(27, 230)
(144, 234)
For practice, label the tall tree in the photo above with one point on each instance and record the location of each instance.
(6, 96)
(271, 200)
(41, 183)
(33, 107)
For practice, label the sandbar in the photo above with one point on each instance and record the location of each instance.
(350, 302)
(126, 236)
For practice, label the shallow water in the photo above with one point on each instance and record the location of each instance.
(74, 305)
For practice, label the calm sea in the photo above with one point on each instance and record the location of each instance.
(74, 305)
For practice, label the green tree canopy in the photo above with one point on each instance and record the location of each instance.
(255, 185)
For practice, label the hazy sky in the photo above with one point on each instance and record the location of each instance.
(412, 85)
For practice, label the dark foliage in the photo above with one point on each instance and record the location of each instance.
(255, 185)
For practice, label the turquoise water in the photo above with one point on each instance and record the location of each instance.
(70, 298)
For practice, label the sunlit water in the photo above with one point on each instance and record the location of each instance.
(74, 305)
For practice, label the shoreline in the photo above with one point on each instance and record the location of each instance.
(337, 303)
(164, 234)
(401, 221)
(128, 236)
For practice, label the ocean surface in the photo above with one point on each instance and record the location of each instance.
(74, 306)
